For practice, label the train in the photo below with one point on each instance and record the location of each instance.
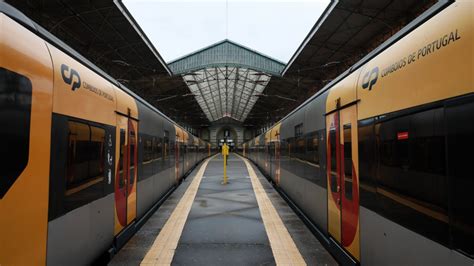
(86, 160)
(378, 162)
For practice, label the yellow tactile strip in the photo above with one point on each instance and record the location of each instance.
(284, 249)
(162, 250)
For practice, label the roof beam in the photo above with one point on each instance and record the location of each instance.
(204, 99)
(251, 95)
(242, 92)
(233, 92)
(210, 89)
(219, 89)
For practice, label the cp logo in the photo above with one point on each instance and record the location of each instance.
(370, 78)
(71, 77)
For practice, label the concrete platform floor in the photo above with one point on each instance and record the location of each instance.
(224, 225)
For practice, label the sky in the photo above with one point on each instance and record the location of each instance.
(275, 28)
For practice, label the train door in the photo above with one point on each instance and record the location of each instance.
(176, 159)
(271, 159)
(342, 175)
(182, 156)
(277, 162)
(126, 177)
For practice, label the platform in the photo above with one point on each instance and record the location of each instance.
(245, 222)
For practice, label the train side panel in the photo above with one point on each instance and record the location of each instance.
(26, 83)
(72, 141)
(81, 198)
(412, 109)
(432, 63)
(153, 178)
(416, 112)
(304, 181)
(170, 146)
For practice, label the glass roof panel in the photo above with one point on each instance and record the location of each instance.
(226, 78)
(226, 91)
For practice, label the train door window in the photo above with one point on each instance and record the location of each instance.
(460, 143)
(347, 161)
(332, 150)
(15, 114)
(122, 158)
(132, 147)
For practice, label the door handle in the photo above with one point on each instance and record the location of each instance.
(338, 189)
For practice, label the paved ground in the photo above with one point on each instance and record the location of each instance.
(224, 225)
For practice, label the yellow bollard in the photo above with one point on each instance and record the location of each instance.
(225, 153)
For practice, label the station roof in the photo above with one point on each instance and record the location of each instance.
(225, 78)
(244, 85)
(346, 32)
(105, 33)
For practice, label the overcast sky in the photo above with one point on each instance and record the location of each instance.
(179, 27)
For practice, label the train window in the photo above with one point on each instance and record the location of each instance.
(299, 130)
(15, 111)
(460, 131)
(152, 154)
(85, 157)
(77, 156)
(411, 180)
(284, 148)
(158, 148)
(300, 149)
(412, 150)
(147, 150)
(333, 161)
(166, 142)
(291, 147)
(315, 145)
(367, 164)
(97, 152)
(148, 165)
(347, 161)
(312, 147)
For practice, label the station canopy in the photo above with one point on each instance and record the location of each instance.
(226, 78)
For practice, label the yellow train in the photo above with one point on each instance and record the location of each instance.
(86, 160)
(379, 161)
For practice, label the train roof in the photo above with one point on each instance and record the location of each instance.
(345, 32)
(426, 15)
(40, 31)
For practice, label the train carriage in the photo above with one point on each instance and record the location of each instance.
(86, 159)
(378, 160)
